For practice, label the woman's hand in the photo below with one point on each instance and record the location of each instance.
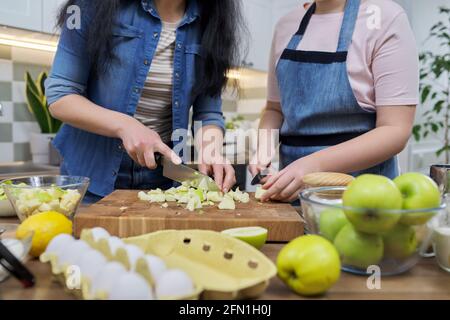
(142, 143)
(222, 171)
(287, 184)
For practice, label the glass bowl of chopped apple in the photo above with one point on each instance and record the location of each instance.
(33, 195)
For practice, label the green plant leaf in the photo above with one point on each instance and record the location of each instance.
(416, 132)
(41, 83)
(425, 93)
(38, 110)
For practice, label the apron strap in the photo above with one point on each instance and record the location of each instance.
(345, 38)
(348, 25)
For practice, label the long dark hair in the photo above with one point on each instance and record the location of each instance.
(223, 31)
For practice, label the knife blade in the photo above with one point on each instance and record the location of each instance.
(184, 174)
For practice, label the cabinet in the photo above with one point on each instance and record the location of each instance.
(50, 11)
(258, 17)
(25, 14)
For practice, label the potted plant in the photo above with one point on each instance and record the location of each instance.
(38, 106)
(435, 88)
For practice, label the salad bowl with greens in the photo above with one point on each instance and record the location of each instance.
(33, 195)
(6, 209)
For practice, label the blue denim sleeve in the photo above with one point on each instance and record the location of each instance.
(208, 110)
(71, 66)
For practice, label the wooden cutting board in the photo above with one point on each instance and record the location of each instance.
(124, 215)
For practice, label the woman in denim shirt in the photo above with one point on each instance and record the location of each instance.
(109, 68)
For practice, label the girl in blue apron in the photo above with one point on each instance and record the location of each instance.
(323, 127)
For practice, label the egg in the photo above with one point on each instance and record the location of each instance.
(156, 266)
(91, 263)
(73, 253)
(114, 244)
(134, 253)
(99, 233)
(174, 283)
(107, 277)
(131, 286)
(58, 244)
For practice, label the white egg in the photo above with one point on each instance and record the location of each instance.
(91, 263)
(59, 243)
(114, 244)
(131, 286)
(174, 283)
(107, 277)
(156, 265)
(72, 253)
(134, 253)
(99, 233)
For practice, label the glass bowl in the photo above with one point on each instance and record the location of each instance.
(394, 250)
(32, 195)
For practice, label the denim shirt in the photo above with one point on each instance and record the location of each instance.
(136, 34)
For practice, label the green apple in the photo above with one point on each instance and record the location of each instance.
(372, 196)
(419, 192)
(400, 242)
(331, 221)
(309, 265)
(358, 249)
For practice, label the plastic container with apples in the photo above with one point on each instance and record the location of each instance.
(375, 221)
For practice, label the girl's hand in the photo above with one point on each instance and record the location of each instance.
(142, 143)
(222, 171)
(287, 184)
(256, 167)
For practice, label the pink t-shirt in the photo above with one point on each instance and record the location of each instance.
(382, 60)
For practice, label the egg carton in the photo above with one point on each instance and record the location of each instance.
(221, 266)
(64, 273)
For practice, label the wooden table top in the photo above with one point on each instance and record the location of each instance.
(425, 281)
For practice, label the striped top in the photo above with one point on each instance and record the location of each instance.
(154, 109)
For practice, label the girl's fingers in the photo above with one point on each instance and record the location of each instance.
(150, 159)
(290, 191)
(230, 178)
(273, 179)
(277, 187)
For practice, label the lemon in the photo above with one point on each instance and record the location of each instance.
(46, 226)
(254, 236)
(309, 265)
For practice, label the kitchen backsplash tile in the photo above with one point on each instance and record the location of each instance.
(6, 132)
(6, 70)
(22, 151)
(5, 52)
(5, 91)
(7, 152)
(17, 123)
(21, 113)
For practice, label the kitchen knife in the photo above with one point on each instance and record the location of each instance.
(257, 179)
(265, 173)
(184, 174)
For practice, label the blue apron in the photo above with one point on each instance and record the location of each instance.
(318, 104)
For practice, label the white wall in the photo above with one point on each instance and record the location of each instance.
(423, 14)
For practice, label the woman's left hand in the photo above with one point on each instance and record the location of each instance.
(222, 171)
(287, 184)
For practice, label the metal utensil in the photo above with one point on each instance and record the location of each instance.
(15, 267)
(260, 176)
(266, 172)
(184, 174)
